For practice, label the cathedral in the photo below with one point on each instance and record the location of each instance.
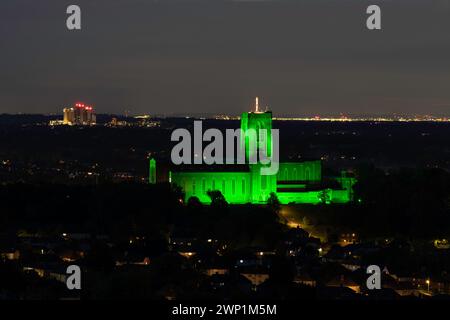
(295, 182)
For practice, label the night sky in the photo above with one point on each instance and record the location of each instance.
(213, 56)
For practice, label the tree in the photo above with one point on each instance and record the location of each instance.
(194, 203)
(100, 258)
(282, 270)
(217, 199)
(324, 196)
(273, 202)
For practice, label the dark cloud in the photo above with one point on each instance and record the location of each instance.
(183, 56)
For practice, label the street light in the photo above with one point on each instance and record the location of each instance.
(428, 284)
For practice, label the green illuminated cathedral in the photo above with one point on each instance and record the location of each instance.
(295, 182)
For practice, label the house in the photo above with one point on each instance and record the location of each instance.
(304, 278)
(256, 275)
(344, 281)
(10, 253)
(214, 266)
(55, 271)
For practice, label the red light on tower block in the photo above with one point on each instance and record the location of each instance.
(84, 106)
(83, 114)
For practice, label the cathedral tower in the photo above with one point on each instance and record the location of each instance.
(256, 120)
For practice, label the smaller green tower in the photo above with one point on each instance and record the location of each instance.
(152, 171)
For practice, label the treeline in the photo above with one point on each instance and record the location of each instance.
(411, 203)
(114, 209)
(126, 209)
(407, 202)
